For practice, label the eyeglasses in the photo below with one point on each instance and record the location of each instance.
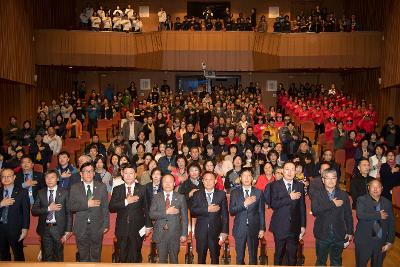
(333, 178)
(88, 172)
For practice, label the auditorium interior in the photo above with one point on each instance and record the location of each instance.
(303, 56)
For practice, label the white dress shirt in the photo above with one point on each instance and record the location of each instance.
(170, 196)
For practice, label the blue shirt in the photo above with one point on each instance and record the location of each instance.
(10, 190)
(29, 176)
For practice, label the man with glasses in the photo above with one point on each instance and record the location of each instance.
(89, 201)
(333, 226)
(14, 217)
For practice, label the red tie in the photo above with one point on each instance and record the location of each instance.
(167, 202)
(129, 191)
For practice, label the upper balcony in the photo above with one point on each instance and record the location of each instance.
(222, 51)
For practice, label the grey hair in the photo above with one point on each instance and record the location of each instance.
(329, 171)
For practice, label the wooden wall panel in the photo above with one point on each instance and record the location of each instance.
(391, 46)
(370, 13)
(222, 51)
(48, 14)
(22, 100)
(16, 44)
(365, 85)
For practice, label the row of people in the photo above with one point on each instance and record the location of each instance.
(127, 20)
(87, 199)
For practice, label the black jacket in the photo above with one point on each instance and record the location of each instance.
(63, 217)
(18, 213)
(367, 215)
(288, 215)
(212, 223)
(130, 218)
(37, 176)
(254, 214)
(326, 214)
(358, 187)
(149, 192)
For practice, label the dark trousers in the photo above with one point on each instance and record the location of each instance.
(92, 125)
(205, 244)
(168, 248)
(89, 245)
(52, 248)
(9, 240)
(329, 247)
(286, 247)
(252, 248)
(130, 248)
(369, 251)
(320, 128)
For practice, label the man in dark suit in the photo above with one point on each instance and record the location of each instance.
(169, 211)
(316, 183)
(359, 181)
(210, 207)
(288, 222)
(191, 138)
(333, 225)
(129, 201)
(247, 205)
(131, 128)
(375, 232)
(55, 219)
(29, 179)
(14, 217)
(89, 201)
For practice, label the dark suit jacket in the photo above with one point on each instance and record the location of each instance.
(288, 215)
(326, 213)
(78, 204)
(37, 176)
(188, 186)
(358, 187)
(63, 217)
(187, 140)
(130, 218)
(126, 129)
(255, 213)
(214, 223)
(149, 192)
(367, 215)
(177, 223)
(18, 213)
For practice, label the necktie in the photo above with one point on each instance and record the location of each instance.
(246, 196)
(167, 202)
(155, 190)
(377, 224)
(209, 198)
(89, 193)
(129, 191)
(289, 188)
(4, 214)
(26, 176)
(50, 214)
